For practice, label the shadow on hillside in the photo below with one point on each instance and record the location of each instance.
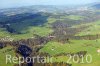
(20, 22)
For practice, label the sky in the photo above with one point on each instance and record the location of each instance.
(19, 3)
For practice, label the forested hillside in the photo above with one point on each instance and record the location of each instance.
(52, 31)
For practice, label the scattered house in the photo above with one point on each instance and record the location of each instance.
(98, 50)
(64, 32)
(32, 37)
(52, 49)
(8, 24)
(51, 36)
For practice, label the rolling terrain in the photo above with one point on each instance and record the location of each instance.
(53, 31)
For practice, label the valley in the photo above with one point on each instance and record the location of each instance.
(51, 31)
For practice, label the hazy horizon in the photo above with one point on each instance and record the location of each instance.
(20, 3)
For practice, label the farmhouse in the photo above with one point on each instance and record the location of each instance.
(98, 50)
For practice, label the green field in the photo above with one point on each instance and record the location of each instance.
(27, 32)
(60, 26)
(93, 29)
(91, 46)
(6, 51)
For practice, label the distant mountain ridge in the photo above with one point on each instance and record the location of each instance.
(96, 5)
